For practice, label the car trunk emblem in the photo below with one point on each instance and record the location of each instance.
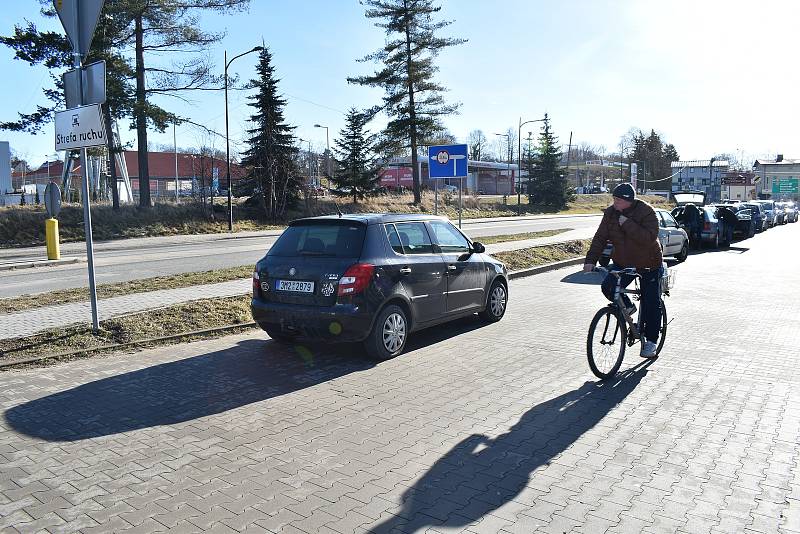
(292, 271)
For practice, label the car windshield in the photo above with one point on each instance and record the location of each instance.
(320, 239)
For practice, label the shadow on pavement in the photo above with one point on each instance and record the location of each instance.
(190, 388)
(481, 474)
(179, 391)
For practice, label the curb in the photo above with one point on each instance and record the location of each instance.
(539, 269)
(38, 263)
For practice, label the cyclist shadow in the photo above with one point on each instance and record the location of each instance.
(481, 474)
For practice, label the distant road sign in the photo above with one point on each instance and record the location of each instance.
(447, 161)
(79, 18)
(784, 185)
(52, 199)
(93, 84)
(80, 127)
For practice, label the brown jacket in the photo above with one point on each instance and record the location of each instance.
(635, 241)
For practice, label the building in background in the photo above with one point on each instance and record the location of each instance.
(700, 175)
(739, 185)
(778, 178)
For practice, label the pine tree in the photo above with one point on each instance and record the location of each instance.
(271, 154)
(550, 186)
(355, 149)
(36, 199)
(22, 198)
(413, 100)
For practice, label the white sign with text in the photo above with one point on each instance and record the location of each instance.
(80, 127)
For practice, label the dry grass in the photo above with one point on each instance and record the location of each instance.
(65, 296)
(24, 225)
(531, 257)
(197, 315)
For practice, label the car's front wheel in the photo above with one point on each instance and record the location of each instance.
(496, 303)
(389, 334)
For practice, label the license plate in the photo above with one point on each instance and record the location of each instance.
(294, 286)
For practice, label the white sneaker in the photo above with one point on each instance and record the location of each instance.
(648, 350)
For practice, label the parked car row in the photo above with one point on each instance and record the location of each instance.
(674, 239)
(373, 279)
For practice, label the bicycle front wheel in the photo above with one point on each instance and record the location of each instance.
(662, 333)
(605, 345)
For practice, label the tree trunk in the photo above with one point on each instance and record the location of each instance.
(141, 118)
(412, 116)
(112, 160)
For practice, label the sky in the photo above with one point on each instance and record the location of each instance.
(710, 76)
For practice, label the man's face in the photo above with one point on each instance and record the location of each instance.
(620, 204)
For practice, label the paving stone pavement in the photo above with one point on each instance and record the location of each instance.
(498, 428)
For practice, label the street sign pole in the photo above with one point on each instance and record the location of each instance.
(81, 47)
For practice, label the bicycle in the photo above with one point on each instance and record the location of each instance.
(616, 327)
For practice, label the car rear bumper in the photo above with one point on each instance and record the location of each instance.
(339, 323)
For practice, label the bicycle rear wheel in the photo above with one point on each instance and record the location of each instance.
(605, 344)
(662, 333)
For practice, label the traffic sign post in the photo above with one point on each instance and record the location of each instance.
(79, 18)
(448, 161)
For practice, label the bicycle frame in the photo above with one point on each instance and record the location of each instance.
(635, 332)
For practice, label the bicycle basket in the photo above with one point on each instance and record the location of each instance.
(668, 280)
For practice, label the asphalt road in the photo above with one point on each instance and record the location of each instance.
(117, 261)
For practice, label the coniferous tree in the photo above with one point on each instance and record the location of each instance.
(355, 149)
(550, 186)
(36, 199)
(271, 154)
(413, 100)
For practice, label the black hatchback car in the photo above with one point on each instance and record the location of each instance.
(373, 278)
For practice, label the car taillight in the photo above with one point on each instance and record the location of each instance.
(355, 279)
(256, 285)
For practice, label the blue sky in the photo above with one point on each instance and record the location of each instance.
(710, 76)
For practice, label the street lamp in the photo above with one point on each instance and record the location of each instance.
(508, 142)
(328, 153)
(227, 135)
(519, 161)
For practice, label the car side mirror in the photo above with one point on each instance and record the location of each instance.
(478, 247)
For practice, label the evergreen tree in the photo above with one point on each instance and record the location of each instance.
(22, 198)
(413, 100)
(36, 199)
(355, 149)
(271, 154)
(550, 186)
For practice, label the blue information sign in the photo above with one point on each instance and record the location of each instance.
(447, 161)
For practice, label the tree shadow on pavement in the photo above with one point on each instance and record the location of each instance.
(178, 391)
(481, 474)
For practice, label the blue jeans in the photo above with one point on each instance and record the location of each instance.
(650, 302)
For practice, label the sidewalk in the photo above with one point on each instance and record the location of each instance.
(26, 323)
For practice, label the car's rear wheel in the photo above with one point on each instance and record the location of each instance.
(684, 253)
(389, 334)
(496, 303)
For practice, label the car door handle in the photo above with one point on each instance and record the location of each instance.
(451, 267)
(405, 270)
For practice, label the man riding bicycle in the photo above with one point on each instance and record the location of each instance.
(632, 227)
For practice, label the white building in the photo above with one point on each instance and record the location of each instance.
(778, 178)
(700, 175)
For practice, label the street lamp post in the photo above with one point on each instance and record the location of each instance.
(519, 162)
(328, 153)
(227, 135)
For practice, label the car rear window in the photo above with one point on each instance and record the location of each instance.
(320, 239)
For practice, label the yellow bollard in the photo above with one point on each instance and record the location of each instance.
(51, 237)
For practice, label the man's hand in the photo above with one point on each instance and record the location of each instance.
(588, 267)
(622, 219)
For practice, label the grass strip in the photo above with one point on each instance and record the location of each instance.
(490, 239)
(534, 256)
(65, 296)
(200, 315)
